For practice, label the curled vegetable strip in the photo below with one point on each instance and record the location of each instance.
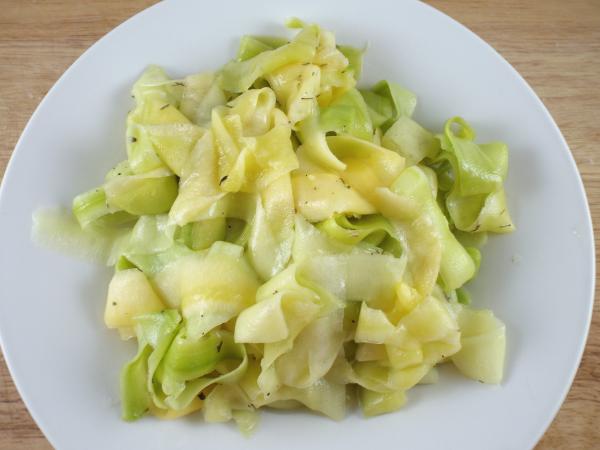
(476, 201)
(271, 230)
(201, 93)
(238, 76)
(297, 88)
(187, 367)
(155, 333)
(211, 287)
(199, 186)
(283, 309)
(387, 102)
(372, 231)
(347, 114)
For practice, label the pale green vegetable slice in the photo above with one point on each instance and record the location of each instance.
(283, 309)
(191, 357)
(410, 140)
(210, 287)
(387, 101)
(129, 295)
(250, 164)
(355, 57)
(476, 201)
(90, 206)
(483, 342)
(150, 246)
(251, 46)
(173, 143)
(232, 358)
(297, 87)
(238, 76)
(347, 114)
(326, 396)
(347, 276)
(229, 402)
(149, 193)
(314, 351)
(135, 398)
(157, 100)
(313, 140)
(154, 332)
(155, 83)
(370, 228)
(199, 184)
(202, 234)
(271, 232)
(457, 265)
(201, 93)
(320, 196)
(376, 403)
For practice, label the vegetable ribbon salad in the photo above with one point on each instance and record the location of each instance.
(283, 238)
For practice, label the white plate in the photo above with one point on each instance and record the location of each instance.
(539, 280)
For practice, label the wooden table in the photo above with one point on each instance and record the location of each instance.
(554, 44)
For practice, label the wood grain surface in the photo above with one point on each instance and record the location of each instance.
(554, 44)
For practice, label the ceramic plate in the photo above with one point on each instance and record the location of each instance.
(539, 280)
